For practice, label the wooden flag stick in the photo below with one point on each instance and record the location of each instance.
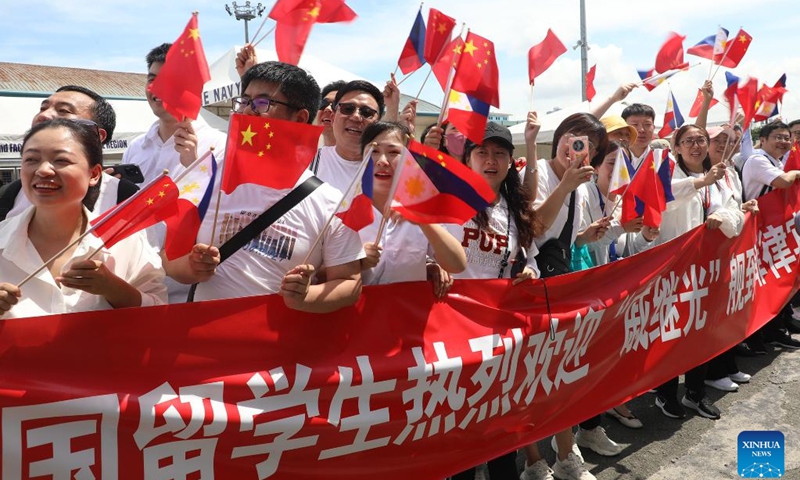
(91, 229)
(263, 22)
(255, 44)
(346, 195)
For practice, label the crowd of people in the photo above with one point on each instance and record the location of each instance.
(547, 213)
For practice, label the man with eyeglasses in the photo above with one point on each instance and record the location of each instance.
(763, 172)
(271, 261)
(642, 118)
(80, 104)
(356, 105)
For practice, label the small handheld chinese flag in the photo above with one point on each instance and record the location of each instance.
(670, 56)
(295, 18)
(437, 34)
(476, 73)
(268, 152)
(179, 83)
(590, 91)
(541, 56)
(151, 205)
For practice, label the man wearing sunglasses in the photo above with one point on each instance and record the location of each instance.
(356, 105)
(271, 261)
(325, 113)
(77, 103)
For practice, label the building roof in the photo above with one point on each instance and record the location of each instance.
(27, 79)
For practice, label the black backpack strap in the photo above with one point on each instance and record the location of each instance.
(254, 228)
(566, 233)
(125, 190)
(314, 167)
(8, 193)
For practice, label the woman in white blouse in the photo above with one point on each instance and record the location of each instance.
(700, 198)
(61, 167)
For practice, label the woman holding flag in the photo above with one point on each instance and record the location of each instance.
(401, 254)
(699, 199)
(61, 168)
(508, 227)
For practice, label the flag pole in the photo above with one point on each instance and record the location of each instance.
(346, 194)
(450, 76)
(91, 229)
(255, 44)
(423, 83)
(531, 98)
(263, 22)
(406, 77)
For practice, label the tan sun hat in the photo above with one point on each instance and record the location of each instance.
(615, 122)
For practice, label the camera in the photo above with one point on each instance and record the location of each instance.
(579, 146)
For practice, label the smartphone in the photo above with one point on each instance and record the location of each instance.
(579, 146)
(129, 171)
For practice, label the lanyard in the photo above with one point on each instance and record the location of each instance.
(504, 261)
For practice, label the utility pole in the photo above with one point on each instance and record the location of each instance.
(245, 12)
(584, 50)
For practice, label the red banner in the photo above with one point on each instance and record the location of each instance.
(401, 384)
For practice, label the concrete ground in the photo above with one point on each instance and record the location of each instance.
(699, 448)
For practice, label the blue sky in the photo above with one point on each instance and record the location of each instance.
(623, 35)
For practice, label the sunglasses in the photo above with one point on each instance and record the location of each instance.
(325, 103)
(348, 109)
(87, 123)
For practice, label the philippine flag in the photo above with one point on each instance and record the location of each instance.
(651, 79)
(432, 187)
(468, 115)
(411, 58)
(712, 47)
(194, 196)
(672, 117)
(622, 173)
(357, 213)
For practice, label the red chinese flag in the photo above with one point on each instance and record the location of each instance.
(149, 206)
(793, 160)
(541, 56)
(590, 91)
(267, 152)
(448, 60)
(437, 34)
(747, 94)
(670, 56)
(476, 72)
(737, 48)
(295, 18)
(698, 103)
(179, 83)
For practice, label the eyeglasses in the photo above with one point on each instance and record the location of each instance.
(699, 141)
(259, 105)
(87, 123)
(348, 109)
(325, 103)
(720, 141)
(782, 138)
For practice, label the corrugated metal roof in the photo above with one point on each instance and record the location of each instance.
(20, 77)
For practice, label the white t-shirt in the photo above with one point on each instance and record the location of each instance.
(758, 171)
(404, 255)
(548, 181)
(132, 259)
(106, 199)
(488, 250)
(259, 267)
(335, 170)
(153, 155)
(592, 211)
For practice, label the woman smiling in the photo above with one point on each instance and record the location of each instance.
(61, 167)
